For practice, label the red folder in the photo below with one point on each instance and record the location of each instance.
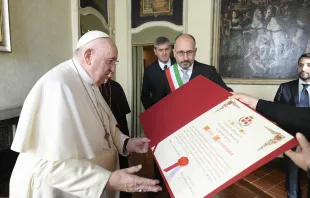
(184, 105)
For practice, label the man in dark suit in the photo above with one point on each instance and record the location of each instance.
(286, 116)
(115, 97)
(295, 93)
(186, 67)
(152, 86)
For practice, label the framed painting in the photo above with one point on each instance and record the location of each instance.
(260, 41)
(5, 39)
(156, 7)
(144, 11)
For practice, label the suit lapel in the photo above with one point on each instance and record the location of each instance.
(158, 66)
(195, 71)
(294, 89)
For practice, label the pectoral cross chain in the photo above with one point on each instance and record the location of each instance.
(106, 136)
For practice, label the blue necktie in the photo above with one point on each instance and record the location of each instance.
(304, 96)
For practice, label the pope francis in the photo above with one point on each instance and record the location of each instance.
(67, 135)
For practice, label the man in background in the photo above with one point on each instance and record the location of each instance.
(295, 93)
(152, 85)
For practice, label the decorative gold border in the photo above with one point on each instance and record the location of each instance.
(276, 138)
(230, 102)
(156, 14)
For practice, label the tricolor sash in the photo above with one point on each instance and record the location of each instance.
(174, 77)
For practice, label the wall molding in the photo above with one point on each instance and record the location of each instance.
(75, 21)
(185, 16)
(94, 12)
(153, 24)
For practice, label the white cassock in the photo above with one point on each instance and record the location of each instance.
(61, 138)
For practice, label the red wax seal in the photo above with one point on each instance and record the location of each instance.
(183, 161)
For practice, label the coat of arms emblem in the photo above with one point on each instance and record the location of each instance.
(246, 120)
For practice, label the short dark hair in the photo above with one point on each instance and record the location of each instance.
(176, 38)
(306, 55)
(161, 40)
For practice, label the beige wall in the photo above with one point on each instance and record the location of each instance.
(199, 24)
(123, 42)
(40, 38)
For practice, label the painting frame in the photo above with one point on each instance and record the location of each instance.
(215, 56)
(146, 13)
(5, 45)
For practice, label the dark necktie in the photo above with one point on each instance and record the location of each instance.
(304, 96)
(165, 67)
(107, 95)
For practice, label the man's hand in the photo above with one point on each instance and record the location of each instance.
(125, 180)
(301, 157)
(138, 145)
(244, 98)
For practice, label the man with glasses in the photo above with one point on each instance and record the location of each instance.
(152, 86)
(186, 67)
(295, 93)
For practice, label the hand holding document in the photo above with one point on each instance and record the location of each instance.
(246, 99)
(301, 156)
(203, 141)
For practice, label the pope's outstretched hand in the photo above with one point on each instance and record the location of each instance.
(125, 180)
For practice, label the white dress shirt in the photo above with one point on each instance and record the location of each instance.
(189, 72)
(162, 65)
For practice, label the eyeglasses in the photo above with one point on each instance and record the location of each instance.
(302, 64)
(112, 62)
(188, 53)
